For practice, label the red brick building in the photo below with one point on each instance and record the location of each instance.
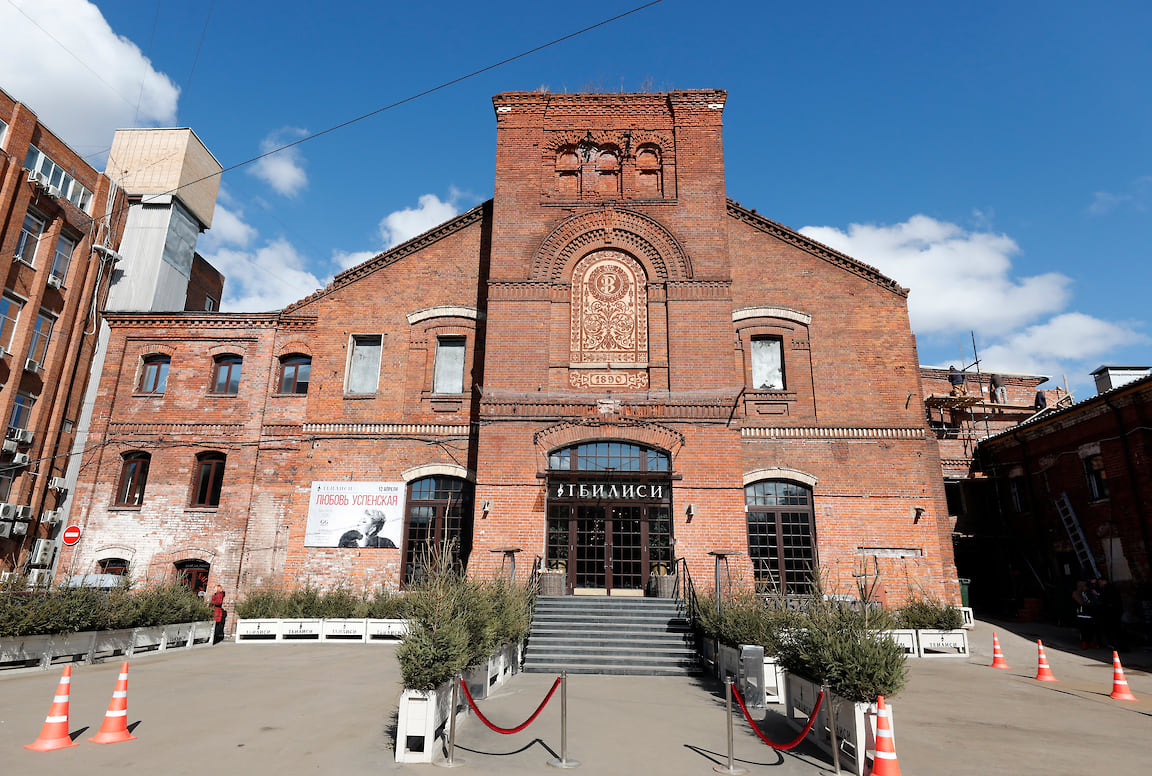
(61, 223)
(1073, 500)
(609, 365)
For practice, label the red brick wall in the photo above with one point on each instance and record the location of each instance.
(851, 417)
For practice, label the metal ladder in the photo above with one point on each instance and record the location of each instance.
(1072, 526)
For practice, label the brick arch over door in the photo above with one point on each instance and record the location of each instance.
(565, 434)
(645, 238)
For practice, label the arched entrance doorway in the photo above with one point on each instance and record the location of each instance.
(609, 516)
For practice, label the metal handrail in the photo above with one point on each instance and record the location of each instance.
(686, 590)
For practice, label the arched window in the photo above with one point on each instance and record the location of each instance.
(133, 479)
(117, 567)
(226, 374)
(295, 371)
(439, 512)
(781, 536)
(568, 173)
(154, 374)
(209, 479)
(608, 174)
(648, 172)
(609, 457)
(193, 574)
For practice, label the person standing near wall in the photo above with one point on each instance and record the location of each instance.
(219, 616)
(999, 392)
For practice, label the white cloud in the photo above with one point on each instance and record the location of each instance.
(962, 281)
(401, 225)
(348, 259)
(268, 278)
(228, 228)
(1049, 347)
(1135, 197)
(283, 170)
(112, 85)
(959, 280)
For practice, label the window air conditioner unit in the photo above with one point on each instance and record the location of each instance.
(39, 578)
(3, 351)
(54, 192)
(8, 511)
(57, 483)
(50, 516)
(42, 552)
(9, 445)
(20, 435)
(19, 529)
(55, 281)
(6, 532)
(37, 177)
(21, 459)
(23, 512)
(8, 576)
(31, 365)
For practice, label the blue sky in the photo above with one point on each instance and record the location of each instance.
(996, 158)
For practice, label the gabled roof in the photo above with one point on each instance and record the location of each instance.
(817, 249)
(392, 255)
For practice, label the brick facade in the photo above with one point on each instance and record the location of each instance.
(51, 275)
(610, 292)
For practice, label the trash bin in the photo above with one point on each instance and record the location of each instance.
(964, 583)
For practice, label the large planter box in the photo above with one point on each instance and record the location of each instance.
(424, 715)
(855, 723)
(968, 620)
(907, 640)
(422, 721)
(300, 630)
(385, 631)
(88, 646)
(257, 630)
(343, 630)
(552, 582)
(774, 680)
(943, 643)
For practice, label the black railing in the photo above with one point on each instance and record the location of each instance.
(686, 591)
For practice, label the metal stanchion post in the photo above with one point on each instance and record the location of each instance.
(831, 711)
(451, 761)
(730, 769)
(563, 761)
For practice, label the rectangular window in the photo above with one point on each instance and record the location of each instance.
(21, 411)
(767, 364)
(209, 480)
(1097, 478)
(41, 336)
(9, 315)
(364, 364)
(226, 375)
(63, 257)
(3, 132)
(210, 304)
(449, 375)
(47, 173)
(5, 484)
(30, 232)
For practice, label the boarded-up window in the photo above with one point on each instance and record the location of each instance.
(364, 365)
(767, 364)
(449, 377)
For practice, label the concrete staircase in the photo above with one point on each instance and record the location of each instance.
(610, 635)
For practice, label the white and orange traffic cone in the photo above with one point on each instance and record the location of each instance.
(998, 656)
(884, 763)
(1043, 672)
(54, 734)
(115, 726)
(1120, 689)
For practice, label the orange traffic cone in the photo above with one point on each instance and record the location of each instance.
(54, 734)
(884, 763)
(115, 726)
(1043, 672)
(1120, 689)
(998, 656)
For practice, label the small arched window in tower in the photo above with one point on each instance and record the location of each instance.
(608, 174)
(568, 173)
(648, 172)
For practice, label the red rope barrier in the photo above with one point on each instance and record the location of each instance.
(517, 729)
(793, 742)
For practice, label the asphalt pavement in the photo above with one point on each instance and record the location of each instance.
(319, 708)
